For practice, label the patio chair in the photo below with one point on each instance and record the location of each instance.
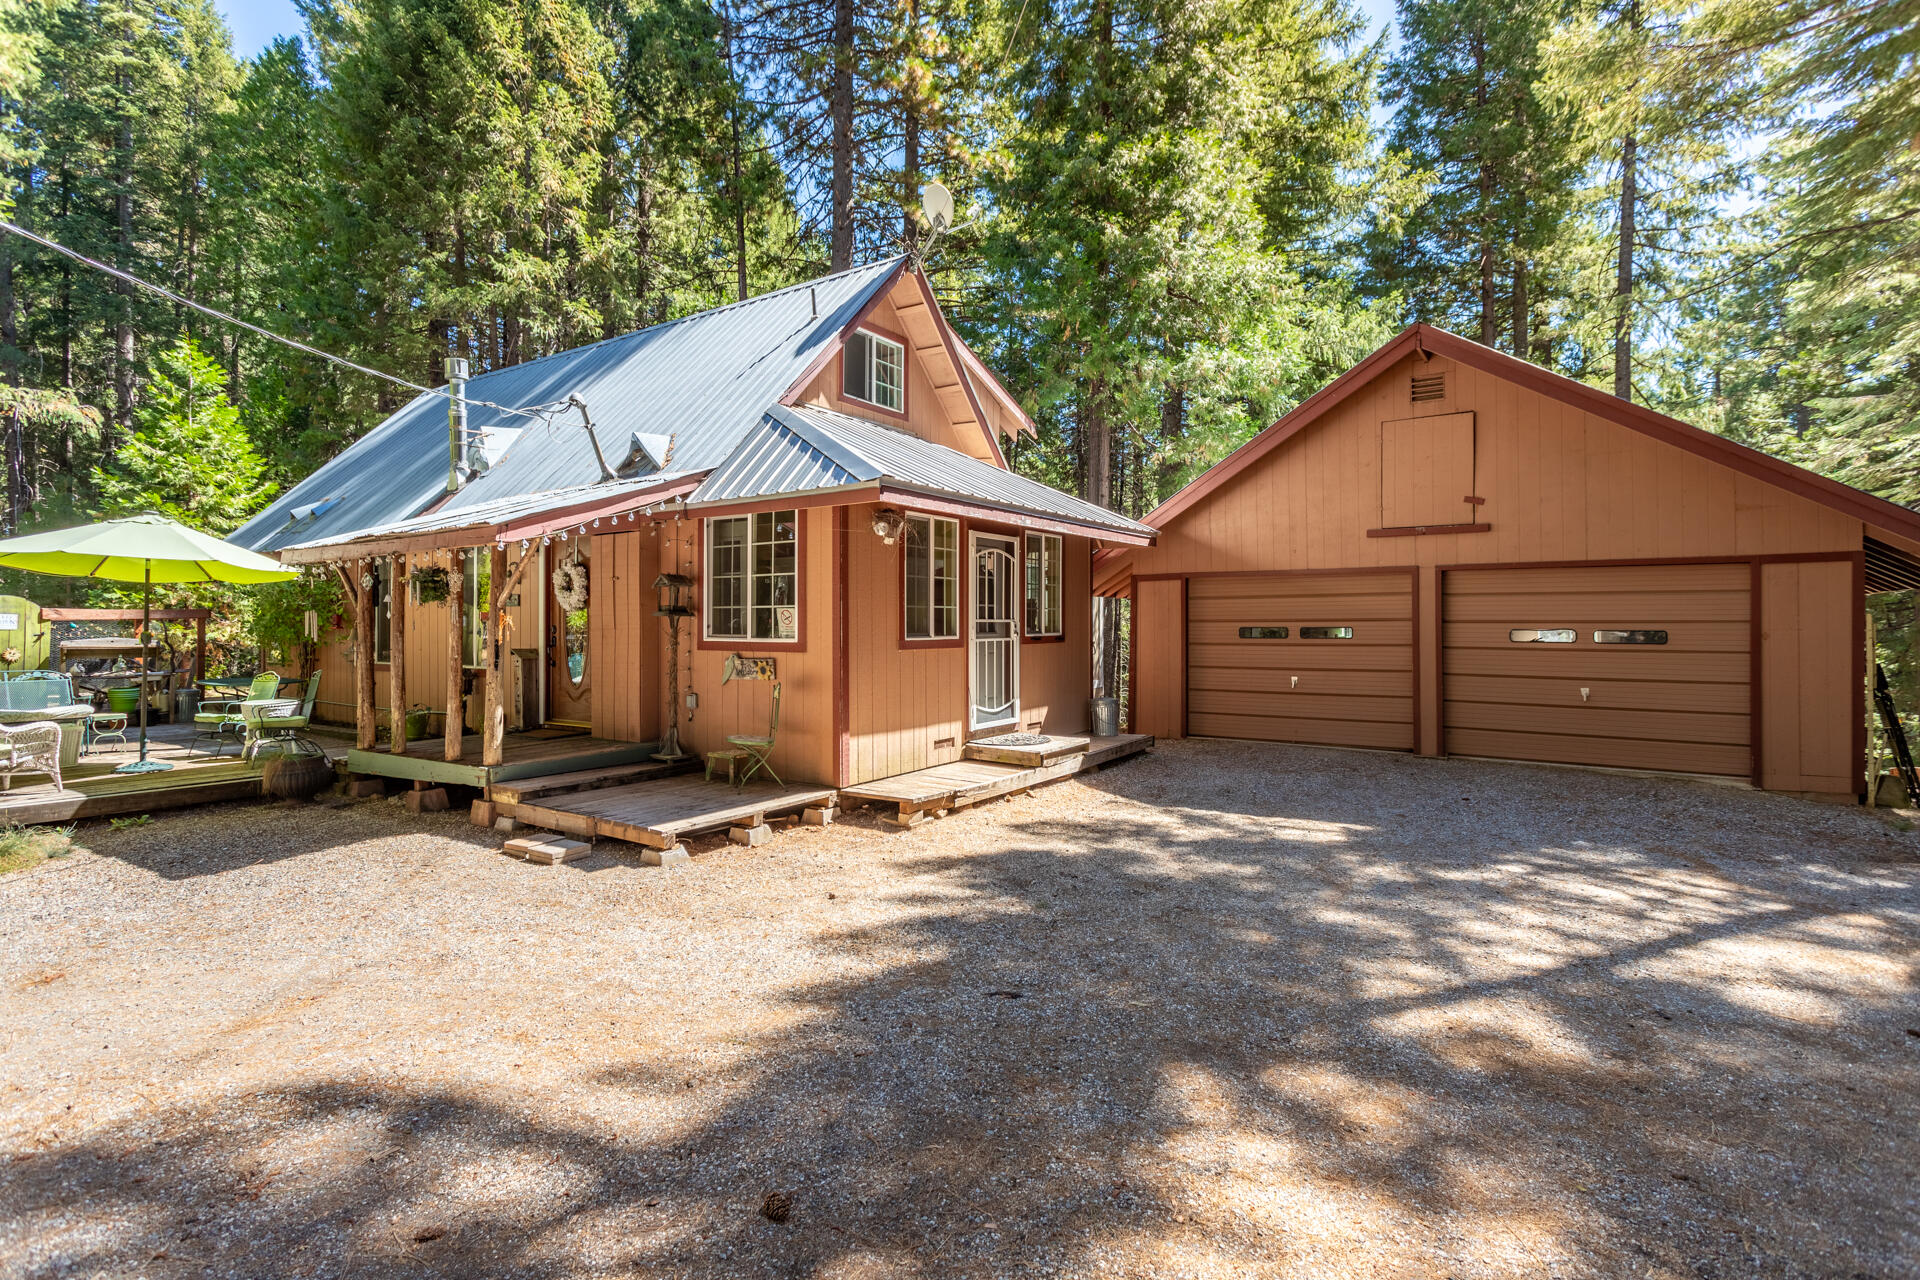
(281, 720)
(753, 751)
(30, 748)
(222, 722)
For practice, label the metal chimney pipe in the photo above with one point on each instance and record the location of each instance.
(456, 419)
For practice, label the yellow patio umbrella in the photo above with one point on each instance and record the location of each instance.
(146, 549)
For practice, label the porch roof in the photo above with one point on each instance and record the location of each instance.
(503, 520)
(804, 449)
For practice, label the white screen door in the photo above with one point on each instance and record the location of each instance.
(996, 642)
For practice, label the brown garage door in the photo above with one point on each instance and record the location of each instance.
(1324, 658)
(1635, 667)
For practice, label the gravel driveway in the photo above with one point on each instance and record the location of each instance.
(1226, 1010)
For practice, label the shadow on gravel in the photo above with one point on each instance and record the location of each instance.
(1477, 1019)
(174, 844)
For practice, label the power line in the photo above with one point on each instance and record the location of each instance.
(540, 412)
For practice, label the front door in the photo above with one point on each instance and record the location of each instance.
(995, 688)
(569, 688)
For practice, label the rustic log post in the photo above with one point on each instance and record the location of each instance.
(456, 628)
(364, 712)
(397, 657)
(199, 650)
(493, 734)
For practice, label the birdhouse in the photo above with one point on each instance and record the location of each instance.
(676, 595)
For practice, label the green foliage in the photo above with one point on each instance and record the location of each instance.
(24, 847)
(279, 610)
(191, 458)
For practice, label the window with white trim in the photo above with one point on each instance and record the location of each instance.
(1046, 554)
(875, 370)
(931, 550)
(752, 591)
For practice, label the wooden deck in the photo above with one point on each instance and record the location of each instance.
(946, 787)
(658, 813)
(531, 754)
(94, 790)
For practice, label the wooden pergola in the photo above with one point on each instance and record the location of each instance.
(353, 563)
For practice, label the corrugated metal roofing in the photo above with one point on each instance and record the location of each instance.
(504, 510)
(704, 380)
(803, 449)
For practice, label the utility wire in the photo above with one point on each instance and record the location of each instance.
(540, 413)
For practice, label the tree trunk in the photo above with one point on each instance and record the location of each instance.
(1522, 317)
(739, 182)
(123, 254)
(910, 143)
(1489, 326)
(1623, 283)
(841, 192)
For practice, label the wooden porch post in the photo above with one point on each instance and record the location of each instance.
(493, 745)
(363, 709)
(199, 649)
(456, 628)
(397, 660)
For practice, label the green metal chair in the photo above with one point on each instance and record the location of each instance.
(222, 722)
(280, 721)
(756, 749)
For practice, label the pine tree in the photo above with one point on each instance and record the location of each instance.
(191, 458)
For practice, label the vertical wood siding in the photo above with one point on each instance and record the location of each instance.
(1056, 677)
(624, 639)
(1807, 668)
(1160, 649)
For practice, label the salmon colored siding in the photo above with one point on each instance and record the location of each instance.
(1557, 484)
(1806, 670)
(623, 640)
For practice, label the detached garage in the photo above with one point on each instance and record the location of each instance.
(1450, 551)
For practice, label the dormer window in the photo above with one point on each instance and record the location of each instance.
(874, 369)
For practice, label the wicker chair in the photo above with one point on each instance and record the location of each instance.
(33, 747)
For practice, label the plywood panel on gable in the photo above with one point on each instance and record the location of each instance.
(1426, 470)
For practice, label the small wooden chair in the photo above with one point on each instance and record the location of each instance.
(754, 750)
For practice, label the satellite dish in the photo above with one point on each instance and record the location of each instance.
(937, 203)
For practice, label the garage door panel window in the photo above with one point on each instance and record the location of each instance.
(1263, 633)
(1629, 637)
(1326, 633)
(1541, 635)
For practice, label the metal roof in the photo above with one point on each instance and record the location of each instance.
(503, 511)
(704, 380)
(807, 449)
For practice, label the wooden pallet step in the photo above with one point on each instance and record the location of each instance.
(522, 789)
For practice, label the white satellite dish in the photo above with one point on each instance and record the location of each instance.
(937, 203)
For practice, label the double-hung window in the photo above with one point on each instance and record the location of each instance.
(875, 370)
(931, 551)
(753, 577)
(1045, 558)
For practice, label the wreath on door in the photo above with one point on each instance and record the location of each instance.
(570, 585)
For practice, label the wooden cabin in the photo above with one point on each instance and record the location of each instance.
(1451, 551)
(822, 466)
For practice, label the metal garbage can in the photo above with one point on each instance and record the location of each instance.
(1106, 717)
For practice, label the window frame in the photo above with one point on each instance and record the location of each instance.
(930, 641)
(874, 334)
(706, 638)
(1029, 635)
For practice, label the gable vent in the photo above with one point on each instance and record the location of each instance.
(1429, 386)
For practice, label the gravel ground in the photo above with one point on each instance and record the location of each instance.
(1226, 1010)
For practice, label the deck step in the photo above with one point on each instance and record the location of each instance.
(943, 788)
(522, 789)
(1032, 756)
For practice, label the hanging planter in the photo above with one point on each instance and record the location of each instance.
(570, 585)
(430, 586)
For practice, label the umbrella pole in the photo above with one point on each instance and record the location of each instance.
(144, 765)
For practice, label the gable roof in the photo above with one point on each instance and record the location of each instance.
(804, 449)
(704, 380)
(1425, 339)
